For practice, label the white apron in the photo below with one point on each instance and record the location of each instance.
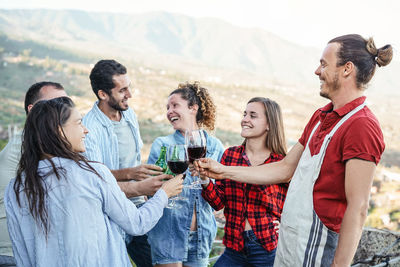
(303, 239)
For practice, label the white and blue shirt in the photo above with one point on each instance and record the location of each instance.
(102, 141)
(85, 215)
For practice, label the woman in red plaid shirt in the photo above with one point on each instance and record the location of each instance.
(250, 210)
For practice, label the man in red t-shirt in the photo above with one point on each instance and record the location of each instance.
(332, 166)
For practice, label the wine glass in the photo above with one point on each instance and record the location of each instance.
(178, 162)
(196, 143)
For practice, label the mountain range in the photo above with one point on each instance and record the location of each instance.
(166, 40)
(177, 41)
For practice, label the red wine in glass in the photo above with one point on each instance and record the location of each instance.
(196, 141)
(178, 162)
(178, 167)
(196, 152)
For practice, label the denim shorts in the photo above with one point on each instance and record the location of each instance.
(192, 259)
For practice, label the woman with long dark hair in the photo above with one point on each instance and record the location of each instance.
(250, 210)
(63, 210)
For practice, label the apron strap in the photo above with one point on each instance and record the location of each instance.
(328, 137)
(345, 118)
(312, 133)
(348, 115)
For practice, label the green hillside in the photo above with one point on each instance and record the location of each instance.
(23, 63)
(37, 62)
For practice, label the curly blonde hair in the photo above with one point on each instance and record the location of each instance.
(197, 95)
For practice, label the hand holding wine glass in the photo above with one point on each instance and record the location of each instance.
(195, 172)
(177, 160)
(196, 142)
(210, 168)
(173, 186)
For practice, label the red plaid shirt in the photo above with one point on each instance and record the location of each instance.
(260, 204)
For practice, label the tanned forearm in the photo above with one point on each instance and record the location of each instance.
(130, 189)
(138, 173)
(122, 175)
(358, 180)
(273, 173)
(350, 234)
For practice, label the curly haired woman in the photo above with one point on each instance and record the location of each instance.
(183, 237)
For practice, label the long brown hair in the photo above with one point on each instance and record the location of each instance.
(195, 94)
(43, 138)
(276, 141)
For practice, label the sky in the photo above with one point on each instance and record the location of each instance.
(306, 22)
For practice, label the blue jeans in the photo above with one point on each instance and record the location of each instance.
(253, 254)
(139, 251)
(7, 261)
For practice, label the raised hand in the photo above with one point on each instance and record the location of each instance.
(145, 171)
(149, 186)
(209, 168)
(173, 186)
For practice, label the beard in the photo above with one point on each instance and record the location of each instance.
(331, 87)
(113, 103)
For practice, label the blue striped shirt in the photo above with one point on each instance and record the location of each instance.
(102, 141)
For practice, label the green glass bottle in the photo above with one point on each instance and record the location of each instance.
(168, 171)
(162, 159)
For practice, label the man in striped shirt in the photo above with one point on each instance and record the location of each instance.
(114, 140)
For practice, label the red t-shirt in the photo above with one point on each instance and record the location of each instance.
(359, 137)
